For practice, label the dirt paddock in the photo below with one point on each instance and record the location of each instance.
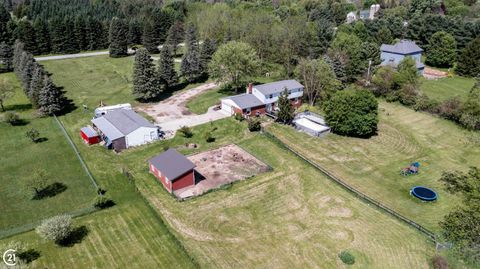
(221, 166)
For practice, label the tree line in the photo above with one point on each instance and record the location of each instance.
(150, 79)
(36, 82)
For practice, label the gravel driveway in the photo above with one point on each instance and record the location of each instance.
(171, 114)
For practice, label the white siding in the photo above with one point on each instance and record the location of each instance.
(227, 106)
(141, 136)
(294, 93)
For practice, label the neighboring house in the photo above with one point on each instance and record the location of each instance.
(262, 99)
(122, 129)
(173, 170)
(393, 54)
(364, 14)
(351, 16)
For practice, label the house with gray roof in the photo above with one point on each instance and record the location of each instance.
(121, 129)
(173, 170)
(262, 99)
(393, 54)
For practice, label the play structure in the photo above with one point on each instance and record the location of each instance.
(410, 170)
(424, 193)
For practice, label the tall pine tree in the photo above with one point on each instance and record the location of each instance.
(176, 35)
(118, 38)
(36, 84)
(207, 49)
(25, 33)
(190, 67)
(134, 32)
(4, 22)
(149, 38)
(166, 67)
(145, 84)
(6, 57)
(42, 34)
(50, 98)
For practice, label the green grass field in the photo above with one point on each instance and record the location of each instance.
(445, 88)
(21, 157)
(292, 217)
(373, 165)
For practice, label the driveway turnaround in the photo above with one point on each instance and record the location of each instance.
(171, 114)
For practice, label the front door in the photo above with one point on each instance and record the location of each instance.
(269, 107)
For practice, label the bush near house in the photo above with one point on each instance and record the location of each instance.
(186, 131)
(254, 125)
(352, 112)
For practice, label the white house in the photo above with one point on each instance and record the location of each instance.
(122, 129)
(261, 99)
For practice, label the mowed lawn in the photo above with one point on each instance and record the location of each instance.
(291, 217)
(445, 88)
(373, 165)
(21, 157)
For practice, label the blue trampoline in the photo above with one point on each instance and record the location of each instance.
(424, 193)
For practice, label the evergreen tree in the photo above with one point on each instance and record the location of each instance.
(118, 38)
(469, 59)
(175, 36)
(36, 84)
(134, 32)
(285, 110)
(162, 21)
(42, 36)
(25, 33)
(207, 50)
(384, 36)
(145, 84)
(50, 98)
(80, 33)
(17, 54)
(190, 67)
(166, 67)
(26, 71)
(57, 35)
(442, 50)
(6, 57)
(71, 44)
(149, 39)
(4, 22)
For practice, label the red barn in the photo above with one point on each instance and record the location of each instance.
(89, 135)
(173, 169)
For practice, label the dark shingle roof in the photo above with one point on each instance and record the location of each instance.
(403, 47)
(278, 86)
(172, 164)
(246, 100)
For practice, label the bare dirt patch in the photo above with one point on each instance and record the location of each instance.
(221, 166)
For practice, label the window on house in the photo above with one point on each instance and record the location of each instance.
(270, 96)
(248, 110)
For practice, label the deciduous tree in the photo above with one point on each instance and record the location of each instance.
(442, 50)
(318, 78)
(6, 91)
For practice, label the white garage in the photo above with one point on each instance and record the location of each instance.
(227, 106)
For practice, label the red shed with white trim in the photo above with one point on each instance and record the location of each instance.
(89, 135)
(173, 169)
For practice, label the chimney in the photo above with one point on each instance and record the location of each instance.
(249, 88)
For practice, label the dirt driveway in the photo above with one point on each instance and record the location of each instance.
(171, 113)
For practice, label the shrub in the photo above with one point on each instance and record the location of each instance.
(352, 112)
(239, 116)
(346, 257)
(33, 134)
(56, 229)
(471, 109)
(11, 117)
(209, 138)
(254, 125)
(424, 103)
(186, 131)
(451, 109)
(408, 94)
(439, 262)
